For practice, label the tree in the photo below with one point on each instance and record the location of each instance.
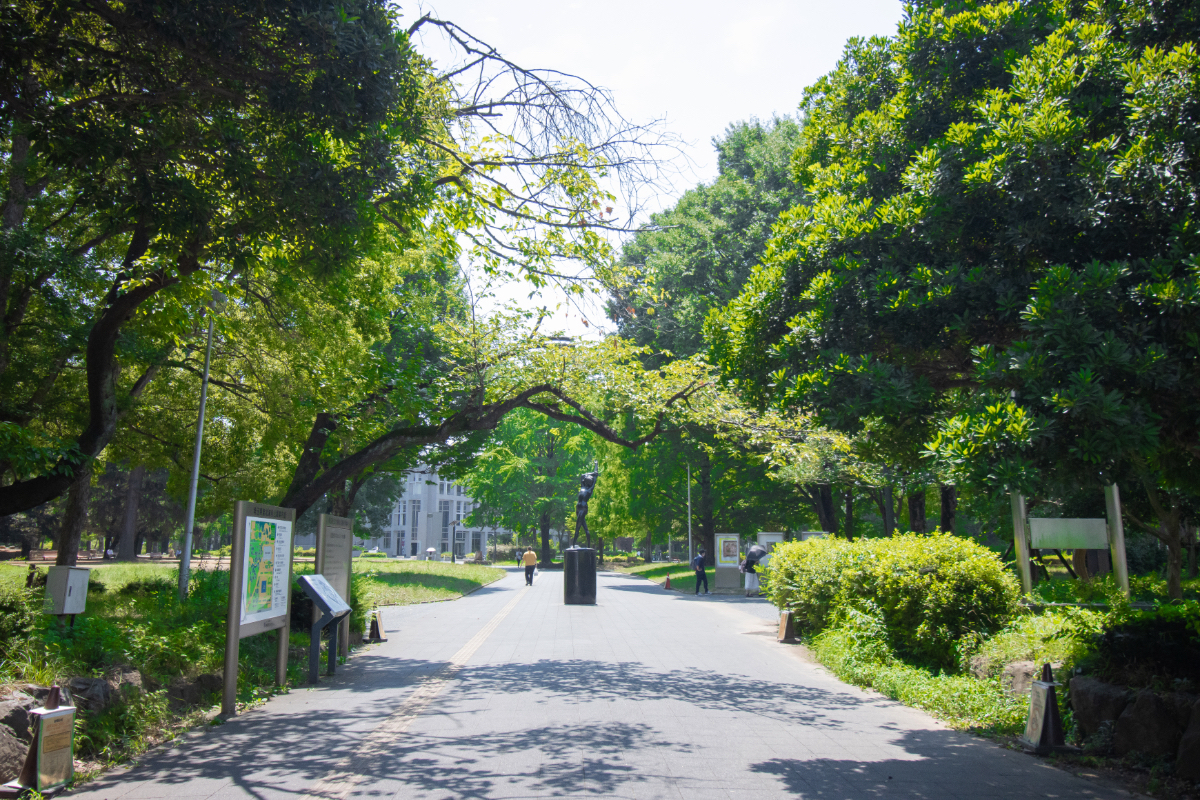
(277, 153)
(986, 187)
(155, 152)
(527, 474)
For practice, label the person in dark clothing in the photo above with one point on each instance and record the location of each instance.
(701, 575)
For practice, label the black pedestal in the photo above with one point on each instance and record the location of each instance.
(579, 576)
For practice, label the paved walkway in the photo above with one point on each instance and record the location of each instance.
(510, 694)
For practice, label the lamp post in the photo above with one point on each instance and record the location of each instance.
(689, 469)
(185, 558)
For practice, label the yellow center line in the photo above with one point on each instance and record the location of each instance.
(353, 769)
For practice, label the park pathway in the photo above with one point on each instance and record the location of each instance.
(508, 693)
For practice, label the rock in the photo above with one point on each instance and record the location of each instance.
(184, 692)
(1148, 725)
(12, 755)
(980, 666)
(124, 679)
(210, 684)
(1187, 758)
(1096, 701)
(1017, 677)
(14, 712)
(92, 694)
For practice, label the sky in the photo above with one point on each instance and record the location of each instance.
(696, 66)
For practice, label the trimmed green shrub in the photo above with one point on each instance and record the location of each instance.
(930, 591)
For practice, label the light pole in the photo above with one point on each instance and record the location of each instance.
(185, 558)
(689, 467)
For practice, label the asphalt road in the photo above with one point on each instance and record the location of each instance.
(508, 693)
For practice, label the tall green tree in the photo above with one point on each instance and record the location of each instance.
(999, 245)
(527, 474)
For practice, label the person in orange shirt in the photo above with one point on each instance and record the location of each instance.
(530, 561)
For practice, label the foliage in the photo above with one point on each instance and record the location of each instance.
(1157, 649)
(929, 591)
(857, 652)
(19, 614)
(997, 253)
(1055, 636)
(527, 474)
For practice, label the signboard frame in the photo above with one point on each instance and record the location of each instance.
(331, 553)
(245, 513)
(1034, 533)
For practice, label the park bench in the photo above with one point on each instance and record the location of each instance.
(43, 555)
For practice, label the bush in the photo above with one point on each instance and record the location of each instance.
(19, 614)
(1062, 637)
(856, 651)
(1158, 649)
(930, 591)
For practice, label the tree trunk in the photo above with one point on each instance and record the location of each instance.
(949, 508)
(887, 509)
(74, 518)
(848, 522)
(1191, 538)
(828, 514)
(544, 527)
(916, 509)
(708, 528)
(127, 545)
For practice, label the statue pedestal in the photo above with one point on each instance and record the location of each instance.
(579, 576)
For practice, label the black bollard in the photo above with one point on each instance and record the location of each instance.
(579, 576)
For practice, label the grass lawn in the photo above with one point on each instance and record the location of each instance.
(396, 582)
(683, 577)
(380, 581)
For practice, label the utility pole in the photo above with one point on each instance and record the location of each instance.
(690, 556)
(185, 558)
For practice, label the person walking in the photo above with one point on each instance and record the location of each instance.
(530, 562)
(701, 575)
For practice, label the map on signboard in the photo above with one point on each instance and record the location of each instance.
(260, 572)
(265, 566)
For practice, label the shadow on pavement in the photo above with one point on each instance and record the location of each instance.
(938, 764)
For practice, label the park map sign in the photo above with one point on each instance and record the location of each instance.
(260, 587)
(266, 565)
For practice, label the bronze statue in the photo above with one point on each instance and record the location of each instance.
(587, 485)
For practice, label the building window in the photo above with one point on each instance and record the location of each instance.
(444, 510)
(460, 491)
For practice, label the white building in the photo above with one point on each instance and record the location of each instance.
(429, 514)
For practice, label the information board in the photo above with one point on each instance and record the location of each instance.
(266, 566)
(260, 587)
(728, 550)
(335, 542)
(55, 747)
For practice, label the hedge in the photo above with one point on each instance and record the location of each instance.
(929, 590)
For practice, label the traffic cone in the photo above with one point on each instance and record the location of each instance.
(667, 585)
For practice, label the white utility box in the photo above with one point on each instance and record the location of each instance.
(66, 590)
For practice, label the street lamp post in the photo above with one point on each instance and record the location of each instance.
(689, 468)
(185, 558)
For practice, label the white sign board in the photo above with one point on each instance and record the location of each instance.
(266, 568)
(1068, 534)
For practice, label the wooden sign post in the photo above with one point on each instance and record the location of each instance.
(260, 587)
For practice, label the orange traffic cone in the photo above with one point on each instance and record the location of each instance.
(667, 585)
